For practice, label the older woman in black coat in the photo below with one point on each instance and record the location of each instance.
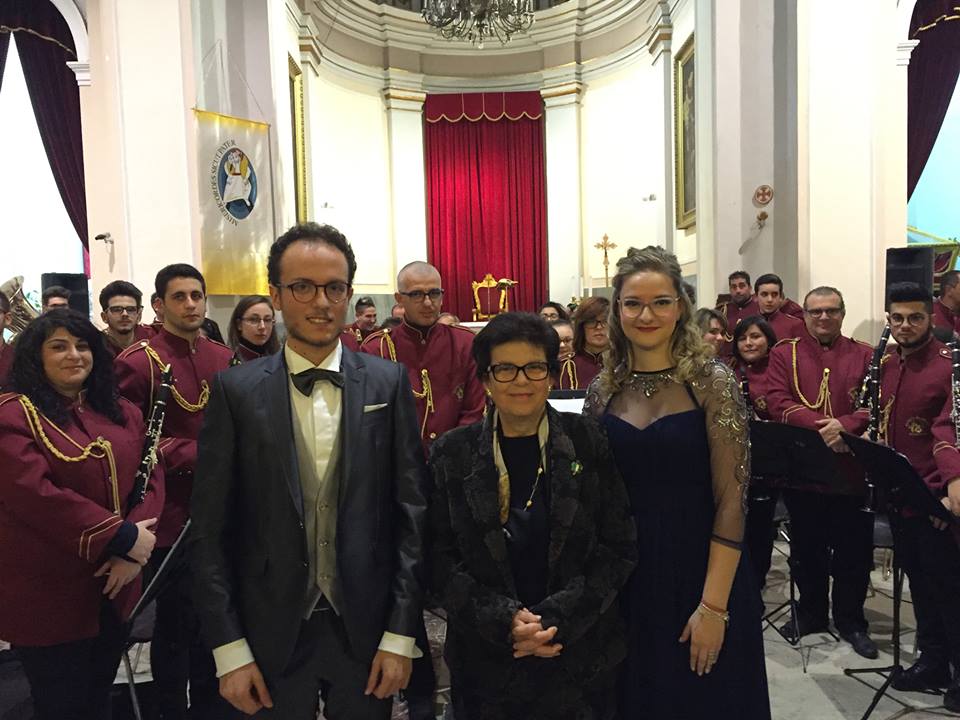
(532, 541)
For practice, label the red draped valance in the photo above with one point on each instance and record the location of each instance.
(489, 106)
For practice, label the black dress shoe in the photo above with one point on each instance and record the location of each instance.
(951, 698)
(862, 644)
(789, 629)
(923, 675)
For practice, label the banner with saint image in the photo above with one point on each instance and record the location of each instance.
(236, 203)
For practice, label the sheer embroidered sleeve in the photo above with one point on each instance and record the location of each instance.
(728, 433)
(596, 400)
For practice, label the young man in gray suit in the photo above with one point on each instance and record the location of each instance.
(308, 508)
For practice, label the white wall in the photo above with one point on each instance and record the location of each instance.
(350, 175)
(621, 119)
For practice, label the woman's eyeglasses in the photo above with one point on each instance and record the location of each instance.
(507, 372)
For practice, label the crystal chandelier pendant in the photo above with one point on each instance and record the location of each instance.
(478, 20)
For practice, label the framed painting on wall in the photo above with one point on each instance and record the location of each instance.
(685, 137)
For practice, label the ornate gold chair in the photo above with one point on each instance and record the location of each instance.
(491, 297)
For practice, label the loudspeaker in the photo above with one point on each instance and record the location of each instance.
(909, 264)
(76, 283)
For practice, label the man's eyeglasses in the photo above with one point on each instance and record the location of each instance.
(833, 312)
(507, 372)
(123, 310)
(660, 307)
(305, 291)
(257, 321)
(418, 296)
(914, 319)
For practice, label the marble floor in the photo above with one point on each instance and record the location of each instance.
(823, 692)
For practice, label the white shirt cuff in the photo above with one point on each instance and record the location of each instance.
(398, 645)
(231, 656)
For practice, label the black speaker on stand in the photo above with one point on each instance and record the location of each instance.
(76, 283)
(909, 264)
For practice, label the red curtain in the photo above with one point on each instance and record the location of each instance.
(45, 46)
(486, 195)
(932, 78)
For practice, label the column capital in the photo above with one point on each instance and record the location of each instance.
(559, 95)
(397, 98)
(82, 71)
(904, 51)
(661, 31)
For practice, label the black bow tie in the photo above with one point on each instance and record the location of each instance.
(304, 381)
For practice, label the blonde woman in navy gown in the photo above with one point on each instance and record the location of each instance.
(678, 429)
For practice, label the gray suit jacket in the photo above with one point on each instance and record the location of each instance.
(247, 547)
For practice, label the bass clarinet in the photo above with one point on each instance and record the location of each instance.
(870, 397)
(148, 459)
(955, 387)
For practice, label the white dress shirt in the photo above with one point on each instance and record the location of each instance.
(316, 424)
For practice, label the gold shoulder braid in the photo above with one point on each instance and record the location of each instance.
(569, 369)
(391, 348)
(425, 393)
(98, 449)
(181, 401)
(823, 396)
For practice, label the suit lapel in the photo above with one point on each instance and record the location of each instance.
(481, 493)
(275, 394)
(354, 388)
(564, 473)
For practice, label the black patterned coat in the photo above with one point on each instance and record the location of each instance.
(591, 554)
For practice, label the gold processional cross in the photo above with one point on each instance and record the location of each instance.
(605, 246)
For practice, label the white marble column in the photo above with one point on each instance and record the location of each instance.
(564, 212)
(407, 174)
(660, 47)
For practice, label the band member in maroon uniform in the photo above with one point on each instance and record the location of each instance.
(742, 303)
(590, 338)
(813, 382)
(946, 308)
(176, 652)
(566, 378)
(70, 551)
(447, 391)
(753, 339)
(253, 329)
(771, 301)
(366, 319)
(121, 305)
(713, 328)
(6, 349)
(916, 402)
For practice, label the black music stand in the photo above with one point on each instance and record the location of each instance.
(172, 565)
(892, 473)
(801, 456)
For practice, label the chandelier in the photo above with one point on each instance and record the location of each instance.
(478, 20)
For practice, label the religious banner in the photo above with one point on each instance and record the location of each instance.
(236, 203)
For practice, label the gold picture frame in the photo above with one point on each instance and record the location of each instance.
(299, 140)
(685, 138)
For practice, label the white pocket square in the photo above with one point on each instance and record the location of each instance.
(372, 408)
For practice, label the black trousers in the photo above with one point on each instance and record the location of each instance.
(831, 536)
(177, 656)
(758, 534)
(72, 681)
(322, 664)
(931, 560)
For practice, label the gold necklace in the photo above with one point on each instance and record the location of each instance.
(651, 383)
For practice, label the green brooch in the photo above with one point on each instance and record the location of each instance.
(575, 467)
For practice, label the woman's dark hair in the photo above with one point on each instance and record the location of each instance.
(515, 327)
(28, 377)
(311, 232)
(561, 310)
(272, 344)
(212, 330)
(748, 322)
(593, 308)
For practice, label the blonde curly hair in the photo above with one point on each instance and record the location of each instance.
(687, 348)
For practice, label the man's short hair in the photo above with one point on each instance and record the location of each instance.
(905, 292)
(738, 274)
(174, 271)
(55, 291)
(825, 290)
(949, 279)
(363, 303)
(768, 279)
(311, 232)
(119, 288)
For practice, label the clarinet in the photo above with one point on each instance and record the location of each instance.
(745, 390)
(955, 387)
(870, 398)
(148, 458)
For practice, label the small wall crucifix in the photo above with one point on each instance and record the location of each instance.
(606, 245)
